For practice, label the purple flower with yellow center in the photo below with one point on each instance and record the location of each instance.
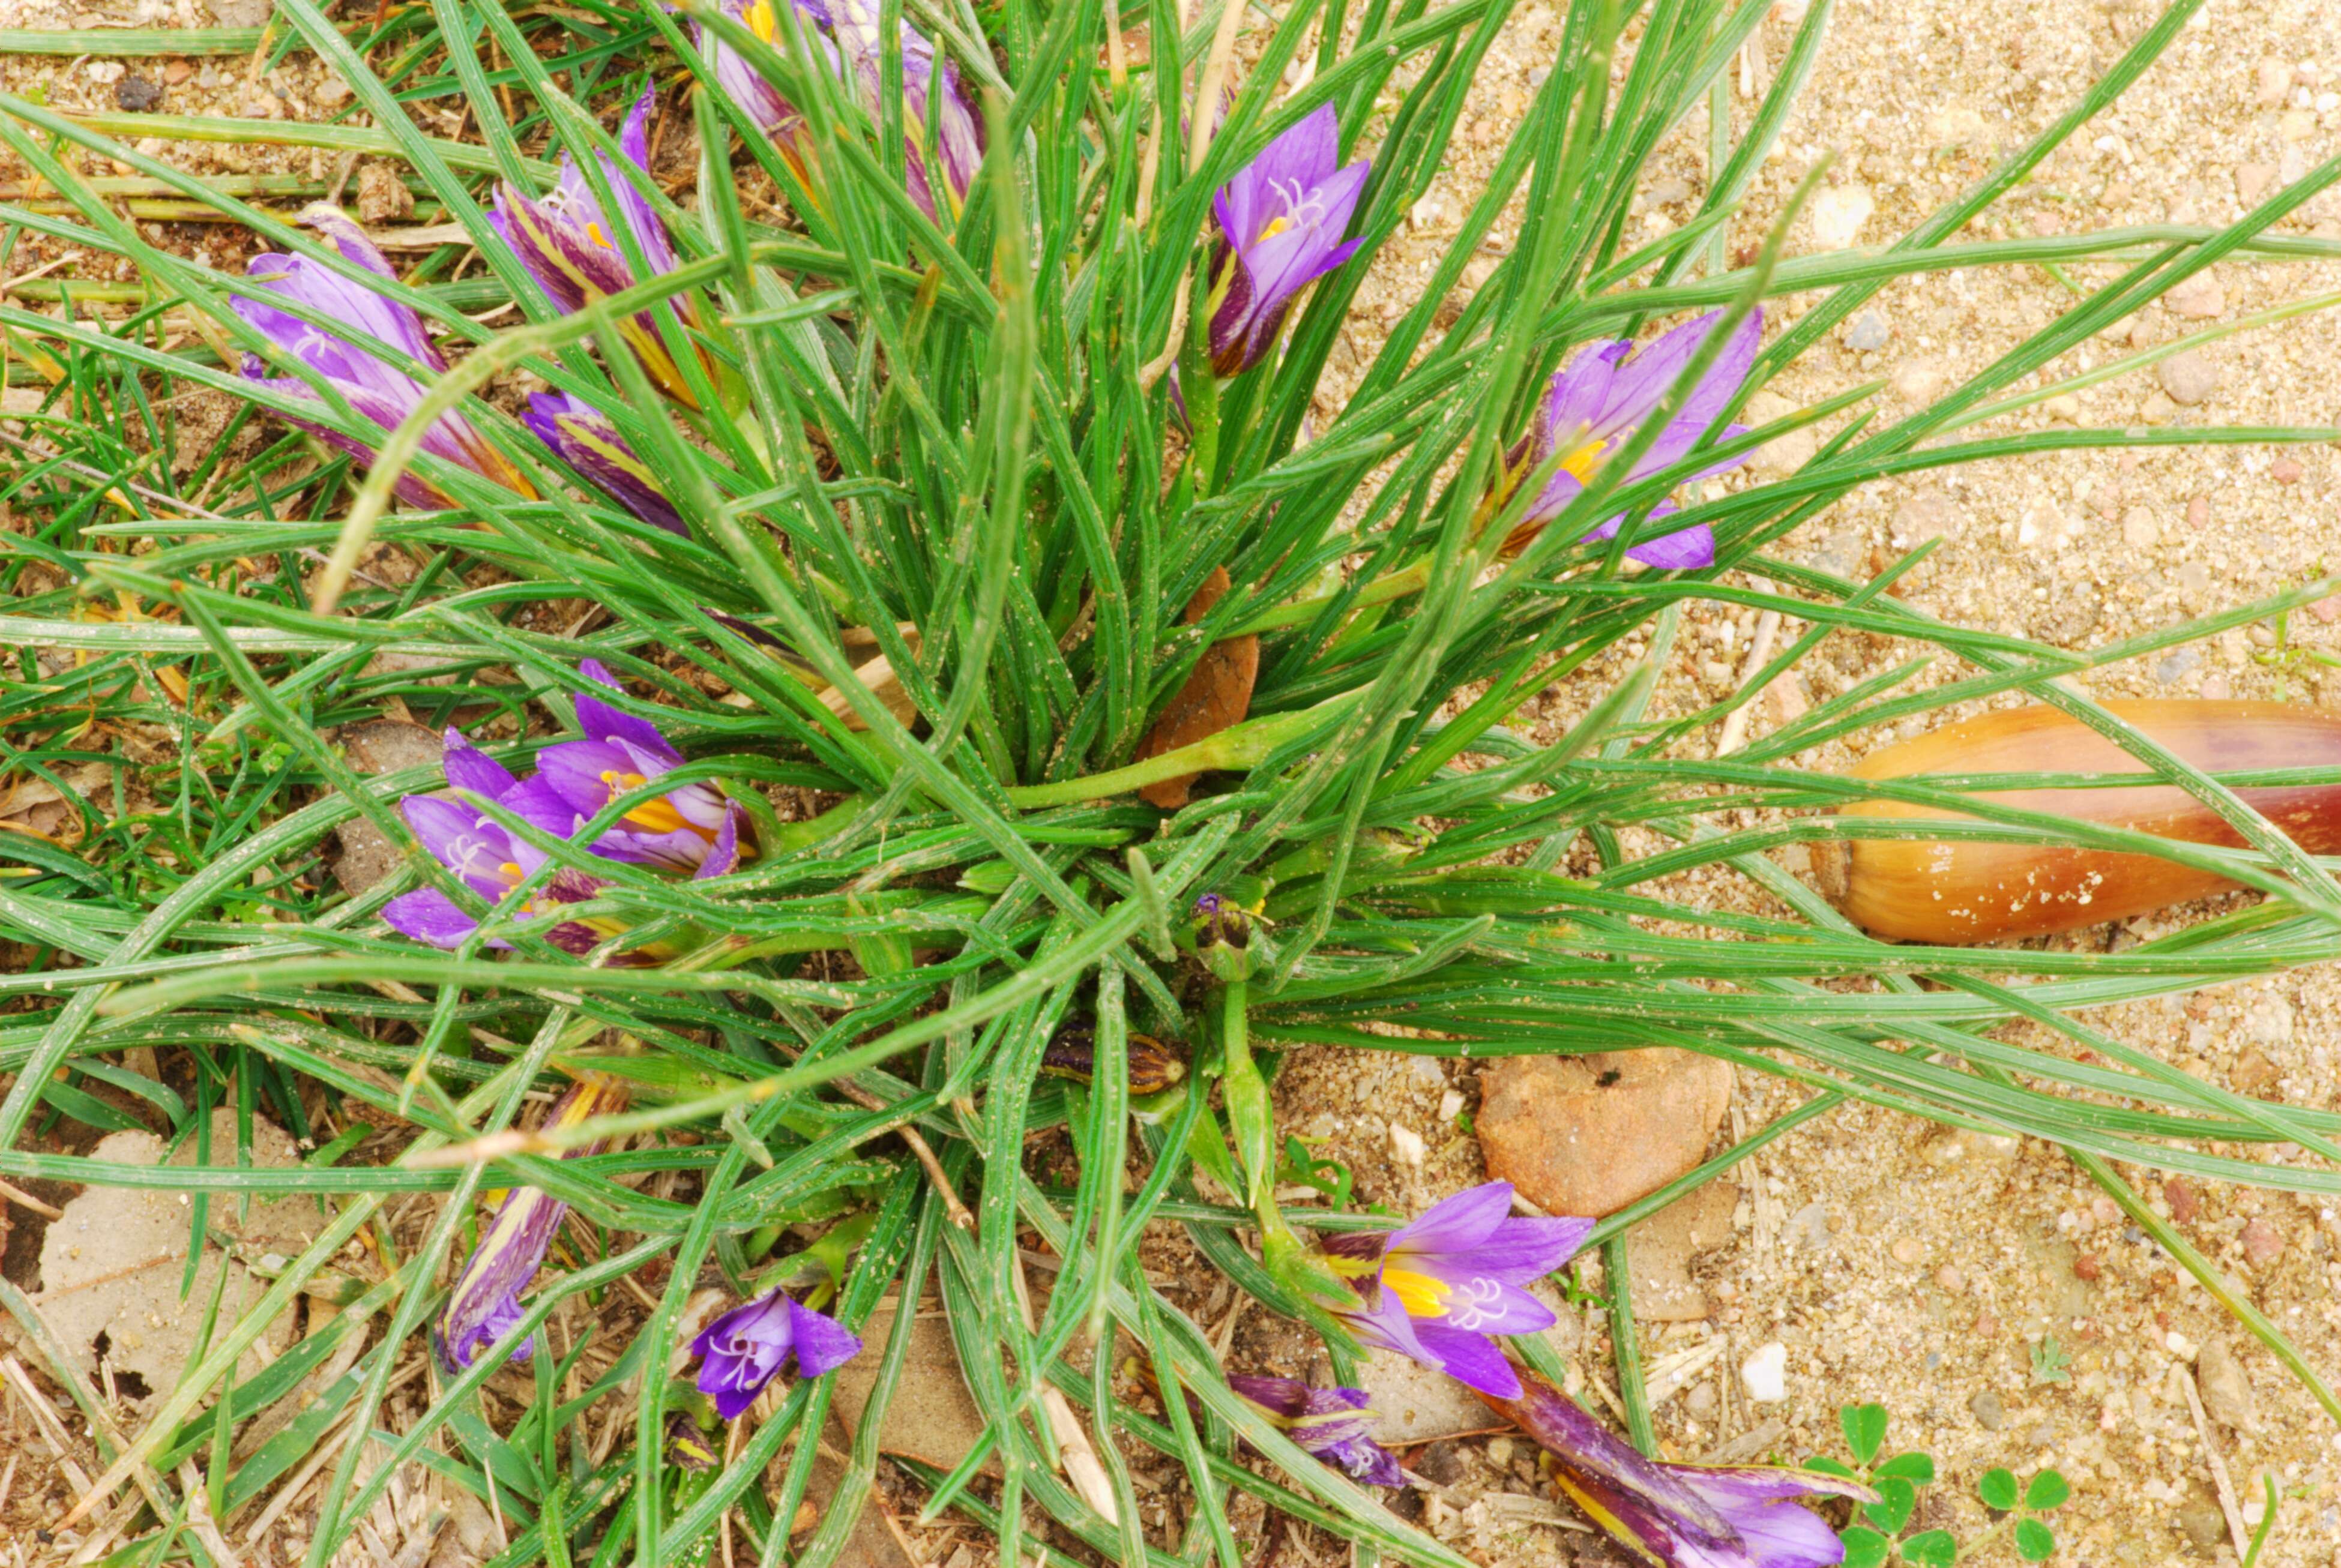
(584, 439)
(493, 860)
(688, 829)
(570, 246)
(1282, 220)
(847, 34)
(370, 385)
(1602, 398)
(745, 1348)
(484, 1304)
(1331, 1423)
(1437, 1289)
(1680, 1515)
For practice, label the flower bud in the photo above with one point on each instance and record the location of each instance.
(1152, 1065)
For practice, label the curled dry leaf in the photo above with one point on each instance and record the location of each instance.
(1218, 693)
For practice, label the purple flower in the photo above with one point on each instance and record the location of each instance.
(690, 828)
(1437, 1289)
(1282, 220)
(1602, 397)
(1329, 1422)
(493, 861)
(571, 248)
(373, 387)
(847, 32)
(484, 1304)
(745, 1347)
(584, 439)
(1684, 1515)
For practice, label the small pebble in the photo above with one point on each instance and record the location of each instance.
(2139, 530)
(1918, 381)
(2087, 1267)
(1868, 333)
(2262, 1245)
(1906, 1249)
(136, 95)
(1949, 1277)
(2189, 377)
(2272, 82)
(330, 93)
(177, 71)
(2199, 299)
(1765, 1374)
(2180, 1346)
(1702, 1400)
(2184, 1205)
(1838, 212)
(1990, 1413)
(2286, 471)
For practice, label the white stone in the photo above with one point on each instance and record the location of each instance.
(1765, 1374)
(1838, 213)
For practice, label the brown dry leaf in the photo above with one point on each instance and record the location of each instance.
(111, 1267)
(1218, 694)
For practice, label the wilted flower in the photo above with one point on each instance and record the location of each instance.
(1602, 398)
(685, 829)
(1329, 1423)
(1282, 220)
(1681, 1516)
(1437, 1289)
(846, 32)
(570, 247)
(373, 387)
(587, 441)
(484, 1304)
(687, 1447)
(746, 1346)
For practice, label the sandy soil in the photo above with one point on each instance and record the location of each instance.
(1921, 1271)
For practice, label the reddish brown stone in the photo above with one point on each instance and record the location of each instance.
(2184, 1205)
(1588, 1134)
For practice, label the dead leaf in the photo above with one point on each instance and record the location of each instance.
(378, 746)
(931, 1417)
(1218, 693)
(112, 1266)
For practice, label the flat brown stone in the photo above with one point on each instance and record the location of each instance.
(1588, 1134)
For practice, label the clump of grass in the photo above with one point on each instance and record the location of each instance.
(952, 439)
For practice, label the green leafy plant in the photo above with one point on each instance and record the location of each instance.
(964, 496)
(1877, 1534)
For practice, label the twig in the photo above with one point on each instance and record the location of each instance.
(1759, 653)
(27, 1200)
(2226, 1489)
(925, 1156)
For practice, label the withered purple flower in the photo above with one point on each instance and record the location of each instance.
(372, 386)
(1601, 399)
(1332, 1424)
(1438, 1288)
(484, 1304)
(746, 1348)
(586, 440)
(847, 32)
(1681, 1516)
(570, 246)
(1282, 220)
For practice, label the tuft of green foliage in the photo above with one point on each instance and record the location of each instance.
(957, 447)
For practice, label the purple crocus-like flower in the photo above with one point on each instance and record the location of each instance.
(1282, 220)
(493, 861)
(570, 246)
(847, 32)
(1437, 1289)
(1602, 397)
(484, 1304)
(745, 1348)
(1329, 1422)
(587, 441)
(689, 829)
(372, 386)
(1680, 1515)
